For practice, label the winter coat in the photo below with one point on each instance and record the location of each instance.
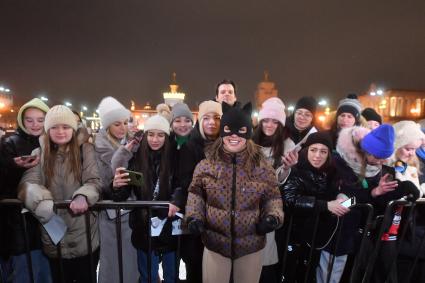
(305, 194)
(139, 217)
(12, 242)
(230, 197)
(294, 134)
(270, 255)
(33, 190)
(108, 265)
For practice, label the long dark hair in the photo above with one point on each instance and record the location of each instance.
(276, 142)
(303, 161)
(142, 163)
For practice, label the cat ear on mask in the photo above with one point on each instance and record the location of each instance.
(247, 109)
(225, 107)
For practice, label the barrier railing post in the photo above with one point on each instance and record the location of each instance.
(119, 242)
(149, 259)
(285, 248)
(89, 246)
(313, 246)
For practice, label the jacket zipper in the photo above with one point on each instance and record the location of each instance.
(233, 214)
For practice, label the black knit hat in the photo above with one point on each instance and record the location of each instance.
(319, 137)
(307, 102)
(235, 118)
(371, 115)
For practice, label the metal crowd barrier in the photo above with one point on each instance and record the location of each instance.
(101, 205)
(369, 223)
(337, 238)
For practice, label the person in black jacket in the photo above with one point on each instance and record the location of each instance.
(202, 136)
(301, 121)
(15, 160)
(307, 194)
(152, 159)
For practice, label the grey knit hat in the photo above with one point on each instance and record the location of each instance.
(350, 105)
(181, 110)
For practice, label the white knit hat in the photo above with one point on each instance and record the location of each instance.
(407, 132)
(111, 110)
(157, 122)
(273, 108)
(60, 114)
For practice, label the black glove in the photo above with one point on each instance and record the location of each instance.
(409, 190)
(196, 227)
(267, 224)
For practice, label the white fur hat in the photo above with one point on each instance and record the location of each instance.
(157, 122)
(407, 132)
(111, 110)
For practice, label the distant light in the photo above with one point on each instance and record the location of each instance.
(255, 114)
(68, 104)
(44, 98)
(291, 108)
(2, 105)
(322, 118)
(97, 110)
(379, 92)
(323, 102)
(11, 110)
(372, 93)
(1, 88)
(7, 90)
(84, 108)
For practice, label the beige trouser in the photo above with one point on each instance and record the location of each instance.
(216, 268)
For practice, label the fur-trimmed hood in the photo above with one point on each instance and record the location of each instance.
(348, 147)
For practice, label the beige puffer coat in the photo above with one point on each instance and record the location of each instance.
(32, 191)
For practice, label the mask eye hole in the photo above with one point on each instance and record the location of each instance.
(243, 130)
(226, 129)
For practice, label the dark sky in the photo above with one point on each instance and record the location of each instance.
(86, 49)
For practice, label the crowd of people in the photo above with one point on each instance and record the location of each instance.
(235, 180)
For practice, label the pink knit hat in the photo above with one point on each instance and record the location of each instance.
(273, 108)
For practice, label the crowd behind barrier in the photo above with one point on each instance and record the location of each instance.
(364, 258)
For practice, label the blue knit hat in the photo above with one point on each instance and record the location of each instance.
(379, 142)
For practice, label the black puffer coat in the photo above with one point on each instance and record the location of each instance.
(305, 195)
(12, 242)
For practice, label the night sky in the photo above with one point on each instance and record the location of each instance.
(82, 50)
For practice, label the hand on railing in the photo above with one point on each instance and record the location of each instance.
(79, 204)
(384, 186)
(172, 210)
(44, 210)
(121, 178)
(336, 208)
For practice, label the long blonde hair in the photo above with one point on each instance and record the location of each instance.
(73, 156)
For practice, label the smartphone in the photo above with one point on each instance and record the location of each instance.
(349, 202)
(297, 148)
(28, 158)
(136, 178)
(138, 136)
(388, 170)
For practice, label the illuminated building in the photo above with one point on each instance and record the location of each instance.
(395, 104)
(173, 97)
(265, 90)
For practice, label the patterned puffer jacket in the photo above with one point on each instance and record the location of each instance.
(230, 196)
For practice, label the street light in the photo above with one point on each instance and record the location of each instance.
(323, 102)
(43, 98)
(379, 92)
(84, 108)
(372, 93)
(291, 108)
(68, 104)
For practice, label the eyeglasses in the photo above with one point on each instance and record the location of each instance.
(305, 114)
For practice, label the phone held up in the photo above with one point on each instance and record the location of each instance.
(136, 178)
(388, 170)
